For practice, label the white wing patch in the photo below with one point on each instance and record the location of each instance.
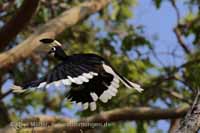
(71, 79)
(85, 106)
(88, 75)
(94, 74)
(108, 69)
(66, 81)
(84, 78)
(94, 96)
(79, 104)
(93, 106)
(111, 91)
(78, 81)
(104, 97)
(42, 85)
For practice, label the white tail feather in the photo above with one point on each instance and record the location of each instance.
(136, 86)
(133, 85)
(17, 89)
(122, 79)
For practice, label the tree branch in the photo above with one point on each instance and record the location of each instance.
(173, 2)
(177, 95)
(173, 125)
(17, 22)
(5, 94)
(51, 29)
(181, 41)
(176, 29)
(60, 124)
(191, 122)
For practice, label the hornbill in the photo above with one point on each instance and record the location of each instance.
(89, 77)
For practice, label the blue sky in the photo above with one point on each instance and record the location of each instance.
(160, 23)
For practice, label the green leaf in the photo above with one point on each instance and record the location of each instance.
(131, 41)
(18, 3)
(115, 10)
(141, 127)
(124, 13)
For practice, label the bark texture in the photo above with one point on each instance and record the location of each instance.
(53, 124)
(191, 122)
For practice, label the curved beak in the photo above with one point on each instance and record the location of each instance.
(47, 44)
(44, 48)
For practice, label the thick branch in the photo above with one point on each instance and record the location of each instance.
(50, 29)
(116, 115)
(174, 124)
(18, 21)
(191, 122)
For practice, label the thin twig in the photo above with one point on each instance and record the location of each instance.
(180, 40)
(5, 94)
(176, 29)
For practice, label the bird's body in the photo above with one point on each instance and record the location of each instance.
(89, 77)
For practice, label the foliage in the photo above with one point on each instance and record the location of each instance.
(108, 34)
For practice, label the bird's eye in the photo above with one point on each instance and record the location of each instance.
(53, 49)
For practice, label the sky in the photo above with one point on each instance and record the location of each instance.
(160, 24)
(157, 23)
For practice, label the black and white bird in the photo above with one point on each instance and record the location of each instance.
(89, 77)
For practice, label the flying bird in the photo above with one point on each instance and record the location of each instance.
(90, 77)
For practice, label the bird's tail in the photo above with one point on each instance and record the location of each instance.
(19, 90)
(130, 84)
(125, 81)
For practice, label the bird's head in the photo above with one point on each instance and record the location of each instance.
(54, 48)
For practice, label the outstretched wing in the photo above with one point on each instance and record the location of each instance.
(88, 77)
(75, 70)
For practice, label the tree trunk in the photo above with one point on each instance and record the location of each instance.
(191, 122)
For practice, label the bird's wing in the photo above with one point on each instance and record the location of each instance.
(76, 70)
(68, 73)
(89, 78)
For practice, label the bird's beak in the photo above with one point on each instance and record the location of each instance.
(47, 44)
(44, 48)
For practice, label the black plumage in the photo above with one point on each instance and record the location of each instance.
(89, 76)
